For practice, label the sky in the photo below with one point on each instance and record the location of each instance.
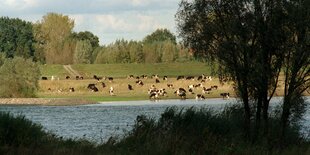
(108, 19)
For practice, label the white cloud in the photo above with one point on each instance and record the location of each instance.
(108, 19)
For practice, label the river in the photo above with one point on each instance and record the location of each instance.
(97, 122)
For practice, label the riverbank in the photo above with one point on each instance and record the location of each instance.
(45, 101)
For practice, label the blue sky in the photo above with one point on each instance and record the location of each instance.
(108, 19)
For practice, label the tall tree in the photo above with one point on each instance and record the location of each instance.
(16, 37)
(82, 54)
(297, 61)
(86, 35)
(246, 38)
(160, 35)
(51, 33)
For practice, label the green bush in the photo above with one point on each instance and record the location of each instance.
(201, 131)
(19, 78)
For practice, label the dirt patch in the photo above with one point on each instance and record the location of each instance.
(44, 101)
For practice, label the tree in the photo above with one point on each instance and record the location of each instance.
(16, 37)
(160, 35)
(82, 54)
(247, 39)
(51, 33)
(169, 52)
(136, 52)
(86, 35)
(297, 62)
(19, 78)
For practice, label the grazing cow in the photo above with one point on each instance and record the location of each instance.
(203, 81)
(157, 81)
(130, 77)
(97, 78)
(49, 89)
(79, 77)
(92, 87)
(199, 78)
(103, 84)
(191, 90)
(206, 90)
(144, 76)
(154, 76)
(198, 85)
(67, 77)
(130, 87)
(170, 85)
(165, 78)
(139, 82)
(180, 77)
(137, 77)
(190, 78)
(162, 92)
(200, 97)
(155, 93)
(111, 91)
(191, 86)
(181, 92)
(110, 79)
(225, 95)
(214, 87)
(71, 89)
(44, 78)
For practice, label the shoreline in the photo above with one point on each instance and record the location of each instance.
(45, 101)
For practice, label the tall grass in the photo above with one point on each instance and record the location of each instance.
(201, 131)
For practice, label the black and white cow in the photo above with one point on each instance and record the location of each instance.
(181, 92)
(200, 97)
(225, 95)
(206, 90)
(92, 87)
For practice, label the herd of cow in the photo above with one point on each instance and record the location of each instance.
(153, 92)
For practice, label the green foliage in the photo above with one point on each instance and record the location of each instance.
(83, 51)
(16, 38)
(185, 131)
(51, 34)
(19, 78)
(160, 35)
(86, 35)
(251, 40)
(19, 131)
(200, 131)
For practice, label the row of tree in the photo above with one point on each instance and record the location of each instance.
(53, 41)
(254, 42)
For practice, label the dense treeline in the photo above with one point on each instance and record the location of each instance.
(52, 41)
(123, 51)
(16, 37)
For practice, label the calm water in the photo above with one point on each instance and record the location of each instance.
(98, 122)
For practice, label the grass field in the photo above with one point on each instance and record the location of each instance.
(60, 88)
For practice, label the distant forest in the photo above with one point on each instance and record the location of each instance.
(52, 41)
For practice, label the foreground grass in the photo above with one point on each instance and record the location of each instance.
(187, 131)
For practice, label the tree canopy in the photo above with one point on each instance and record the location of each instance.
(160, 35)
(16, 37)
(250, 41)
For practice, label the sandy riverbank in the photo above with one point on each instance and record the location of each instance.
(44, 101)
